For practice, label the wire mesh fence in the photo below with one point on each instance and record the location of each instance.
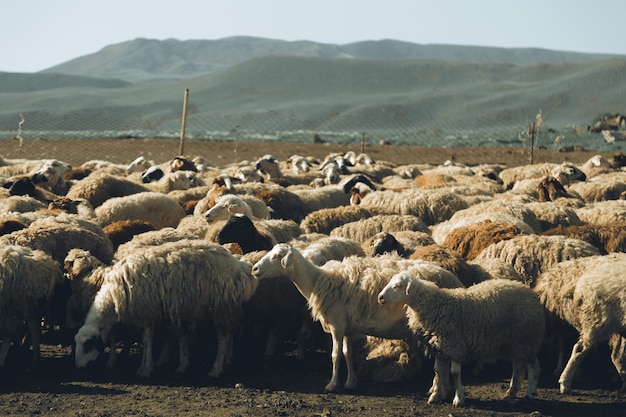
(372, 126)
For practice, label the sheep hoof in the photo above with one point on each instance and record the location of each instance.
(330, 387)
(435, 398)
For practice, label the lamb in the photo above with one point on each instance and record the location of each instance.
(143, 290)
(530, 255)
(460, 325)
(27, 281)
(155, 208)
(589, 294)
(342, 296)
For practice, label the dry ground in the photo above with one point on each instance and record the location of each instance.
(284, 387)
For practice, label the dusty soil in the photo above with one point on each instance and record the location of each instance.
(284, 386)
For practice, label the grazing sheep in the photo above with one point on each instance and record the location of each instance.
(342, 296)
(27, 281)
(322, 197)
(495, 319)
(603, 212)
(530, 255)
(589, 294)
(284, 204)
(144, 290)
(158, 209)
(470, 240)
(98, 188)
(607, 238)
(366, 228)
(552, 215)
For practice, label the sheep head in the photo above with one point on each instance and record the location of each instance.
(89, 344)
(274, 263)
(397, 290)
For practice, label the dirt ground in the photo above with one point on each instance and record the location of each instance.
(285, 386)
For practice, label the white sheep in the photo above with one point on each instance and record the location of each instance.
(177, 284)
(342, 296)
(491, 320)
(230, 204)
(27, 281)
(99, 187)
(364, 229)
(530, 255)
(158, 209)
(589, 294)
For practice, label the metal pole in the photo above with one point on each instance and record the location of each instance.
(183, 123)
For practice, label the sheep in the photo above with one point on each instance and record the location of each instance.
(589, 294)
(144, 290)
(342, 296)
(57, 240)
(98, 188)
(607, 238)
(366, 228)
(471, 239)
(27, 281)
(601, 187)
(155, 208)
(325, 220)
(230, 204)
(530, 255)
(20, 204)
(403, 242)
(25, 186)
(50, 176)
(603, 212)
(331, 248)
(431, 207)
(253, 236)
(552, 215)
(566, 173)
(124, 230)
(150, 238)
(10, 225)
(494, 319)
(323, 197)
(445, 258)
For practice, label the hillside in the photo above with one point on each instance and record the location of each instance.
(149, 60)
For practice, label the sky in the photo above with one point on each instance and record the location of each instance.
(39, 34)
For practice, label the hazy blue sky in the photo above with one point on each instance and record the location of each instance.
(38, 34)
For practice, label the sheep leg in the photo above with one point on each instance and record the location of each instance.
(351, 380)
(618, 357)
(514, 384)
(224, 344)
(34, 329)
(459, 393)
(112, 350)
(533, 370)
(578, 353)
(336, 359)
(147, 364)
(441, 381)
(4, 350)
(183, 354)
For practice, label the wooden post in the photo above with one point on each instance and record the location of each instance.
(532, 143)
(183, 126)
(363, 142)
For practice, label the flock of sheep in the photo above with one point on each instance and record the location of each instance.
(401, 265)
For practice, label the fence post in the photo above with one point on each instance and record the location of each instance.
(363, 142)
(532, 143)
(183, 123)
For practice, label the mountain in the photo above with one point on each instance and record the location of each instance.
(293, 92)
(150, 60)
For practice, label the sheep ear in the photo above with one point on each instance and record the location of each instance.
(409, 288)
(231, 208)
(287, 260)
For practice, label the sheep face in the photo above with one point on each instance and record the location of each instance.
(139, 164)
(89, 344)
(51, 172)
(152, 174)
(397, 290)
(274, 263)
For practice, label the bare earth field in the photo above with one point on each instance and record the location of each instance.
(285, 386)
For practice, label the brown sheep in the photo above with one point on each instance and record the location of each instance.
(470, 240)
(447, 259)
(606, 237)
(550, 189)
(123, 231)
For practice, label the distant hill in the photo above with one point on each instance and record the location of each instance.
(293, 92)
(150, 60)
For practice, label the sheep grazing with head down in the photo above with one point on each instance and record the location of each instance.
(342, 296)
(27, 281)
(589, 294)
(260, 235)
(495, 319)
(158, 209)
(144, 290)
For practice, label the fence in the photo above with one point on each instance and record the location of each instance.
(374, 126)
